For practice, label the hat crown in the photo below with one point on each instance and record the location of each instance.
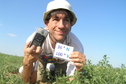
(57, 4)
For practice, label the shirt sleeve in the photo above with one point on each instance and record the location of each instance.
(75, 42)
(30, 37)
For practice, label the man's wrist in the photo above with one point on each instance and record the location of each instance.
(27, 61)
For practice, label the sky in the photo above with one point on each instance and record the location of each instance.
(101, 27)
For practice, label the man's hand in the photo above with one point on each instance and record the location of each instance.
(31, 54)
(78, 59)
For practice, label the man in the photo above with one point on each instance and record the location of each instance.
(58, 20)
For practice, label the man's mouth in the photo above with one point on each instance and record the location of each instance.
(60, 32)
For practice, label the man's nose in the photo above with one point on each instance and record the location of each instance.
(61, 24)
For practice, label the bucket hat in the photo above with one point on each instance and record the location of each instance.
(59, 4)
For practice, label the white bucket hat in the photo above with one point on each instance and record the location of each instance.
(59, 4)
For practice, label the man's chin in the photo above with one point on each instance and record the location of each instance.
(60, 39)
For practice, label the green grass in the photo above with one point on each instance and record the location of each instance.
(101, 73)
(9, 66)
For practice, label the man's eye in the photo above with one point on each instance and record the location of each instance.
(67, 20)
(55, 19)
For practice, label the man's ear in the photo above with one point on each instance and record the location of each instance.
(46, 24)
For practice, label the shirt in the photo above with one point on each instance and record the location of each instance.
(47, 50)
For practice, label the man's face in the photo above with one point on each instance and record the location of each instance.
(59, 26)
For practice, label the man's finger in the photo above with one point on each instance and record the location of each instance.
(38, 49)
(27, 44)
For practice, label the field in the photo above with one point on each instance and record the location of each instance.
(101, 73)
(9, 66)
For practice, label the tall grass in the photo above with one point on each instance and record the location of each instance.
(101, 73)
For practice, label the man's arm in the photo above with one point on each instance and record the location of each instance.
(30, 56)
(29, 75)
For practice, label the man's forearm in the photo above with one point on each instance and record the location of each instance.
(29, 75)
(27, 70)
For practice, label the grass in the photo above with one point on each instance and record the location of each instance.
(9, 66)
(101, 73)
